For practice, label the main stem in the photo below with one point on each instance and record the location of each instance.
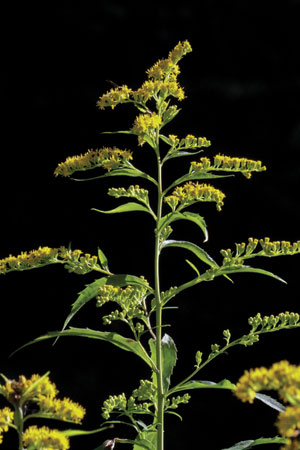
(159, 362)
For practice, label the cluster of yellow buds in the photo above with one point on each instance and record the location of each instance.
(120, 94)
(268, 248)
(107, 158)
(130, 299)
(227, 164)
(277, 248)
(192, 192)
(133, 191)
(284, 378)
(74, 260)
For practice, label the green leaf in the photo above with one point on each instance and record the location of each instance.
(71, 433)
(252, 443)
(127, 207)
(118, 340)
(169, 358)
(193, 267)
(179, 153)
(194, 384)
(248, 269)
(125, 171)
(193, 217)
(198, 251)
(275, 404)
(195, 176)
(148, 443)
(102, 259)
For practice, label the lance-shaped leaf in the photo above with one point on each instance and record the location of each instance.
(71, 433)
(275, 404)
(169, 358)
(193, 217)
(198, 251)
(195, 176)
(247, 269)
(194, 384)
(118, 340)
(123, 171)
(127, 207)
(242, 445)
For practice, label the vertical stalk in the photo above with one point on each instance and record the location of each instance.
(159, 362)
(19, 424)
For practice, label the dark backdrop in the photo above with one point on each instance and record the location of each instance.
(242, 87)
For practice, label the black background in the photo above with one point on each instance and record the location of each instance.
(242, 87)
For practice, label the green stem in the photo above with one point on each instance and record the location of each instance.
(19, 424)
(159, 364)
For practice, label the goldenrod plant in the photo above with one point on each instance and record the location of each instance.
(133, 300)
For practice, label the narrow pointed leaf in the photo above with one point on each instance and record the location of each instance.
(193, 267)
(196, 176)
(248, 269)
(71, 433)
(194, 384)
(125, 171)
(118, 340)
(169, 356)
(193, 217)
(127, 207)
(242, 445)
(198, 251)
(275, 404)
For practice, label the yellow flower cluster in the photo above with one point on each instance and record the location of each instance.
(194, 192)
(112, 98)
(64, 409)
(162, 82)
(227, 163)
(108, 158)
(46, 255)
(43, 438)
(42, 391)
(146, 124)
(132, 191)
(31, 387)
(284, 378)
(6, 418)
(166, 68)
(130, 299)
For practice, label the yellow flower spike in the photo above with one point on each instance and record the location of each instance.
(115, 96)
(108, 158)
(64, 409)
(289, 421)
(194, 192)
(14, 390)
(146, 125)
(44, 438)
(6, 418)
